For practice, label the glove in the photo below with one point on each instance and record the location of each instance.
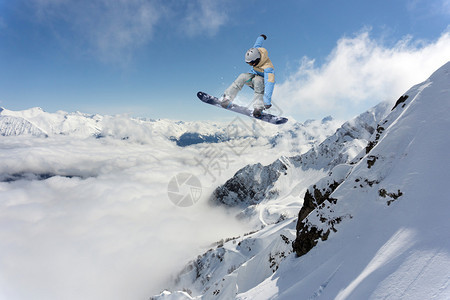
(264, 36)
(267, 106)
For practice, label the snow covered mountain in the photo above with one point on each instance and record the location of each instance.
(371, 225)
(36, 122)
(296, 136)
(254, 183)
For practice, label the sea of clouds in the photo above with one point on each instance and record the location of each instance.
(91, 217)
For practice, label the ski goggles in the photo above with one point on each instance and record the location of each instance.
(254, 62)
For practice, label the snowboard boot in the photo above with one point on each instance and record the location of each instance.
(257, 112)
(225, 102)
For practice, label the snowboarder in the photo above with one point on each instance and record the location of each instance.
(260, 78)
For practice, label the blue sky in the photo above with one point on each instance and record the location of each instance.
(149, 58)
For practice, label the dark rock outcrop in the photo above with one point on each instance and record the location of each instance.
(250, 185)
(318, 197)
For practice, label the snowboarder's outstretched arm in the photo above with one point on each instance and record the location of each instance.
(259, 41)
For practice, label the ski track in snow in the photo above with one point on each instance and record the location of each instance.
(323, 286)
(400, 242)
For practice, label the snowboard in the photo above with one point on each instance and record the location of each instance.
(266, 117)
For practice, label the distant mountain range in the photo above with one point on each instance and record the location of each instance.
(38, 123)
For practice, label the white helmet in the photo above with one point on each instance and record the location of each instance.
(252, 56)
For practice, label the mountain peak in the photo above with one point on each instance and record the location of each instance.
(327, 119)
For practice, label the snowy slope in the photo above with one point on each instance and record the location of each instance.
(14, 126)
(376, 227)
(390, 209)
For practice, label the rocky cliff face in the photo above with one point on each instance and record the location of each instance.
(250, 185)
(318, 196)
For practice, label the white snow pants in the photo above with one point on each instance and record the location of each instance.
(254, 81)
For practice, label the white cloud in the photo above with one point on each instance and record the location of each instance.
(113, 30)
(446, 7)
(359, 73)
(122, 26)
(204, 16)
(109, 30)
(114, 234)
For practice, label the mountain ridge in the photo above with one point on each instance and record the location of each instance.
(36, 122)
(253, 183)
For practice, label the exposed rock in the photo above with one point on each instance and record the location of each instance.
(401, 100)
(250, 185)
(308, 238)
(314, 199)
(394, 196)
(318, 196)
